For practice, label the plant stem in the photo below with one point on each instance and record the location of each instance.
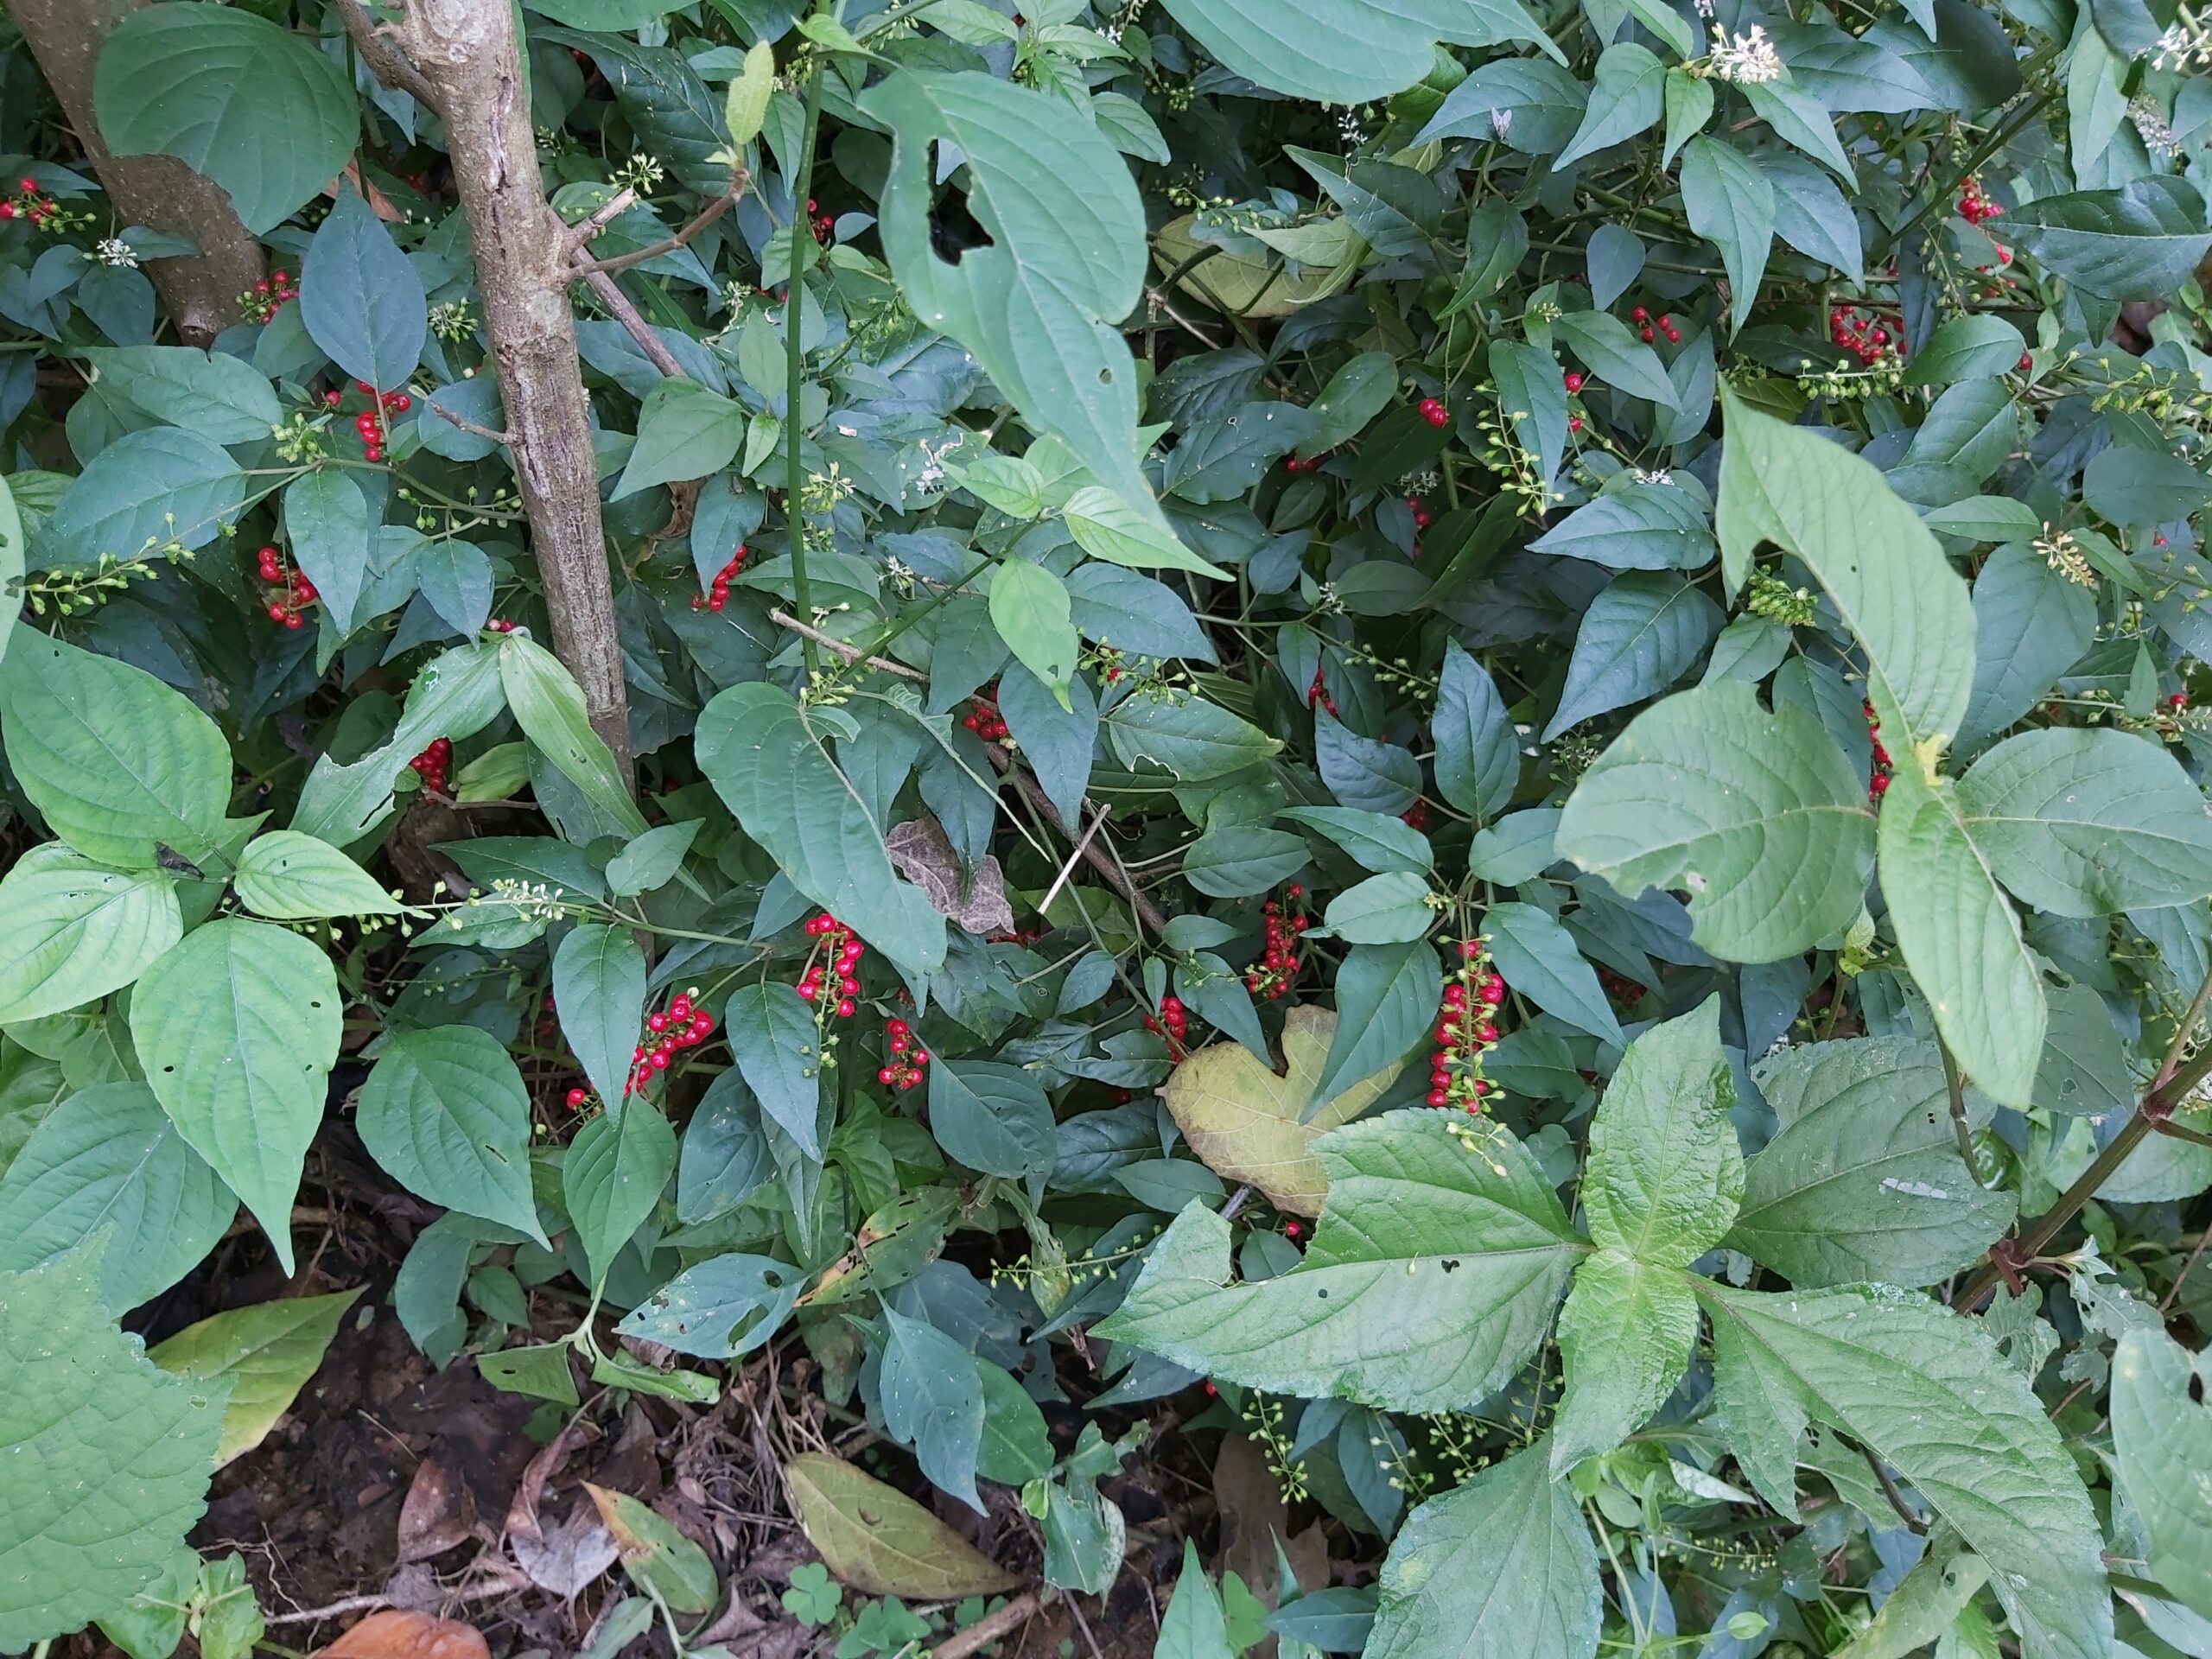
(795, 355)
(1960, 1129)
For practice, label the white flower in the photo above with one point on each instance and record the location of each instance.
(115, 251)
(1661, 476)
(2151, 125)
(2186, 44)
(1704, 7)
(1746, 60)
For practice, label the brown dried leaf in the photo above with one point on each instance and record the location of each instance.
(436, 1514)
(396, 1635)
(560, 1555)
(920, 852)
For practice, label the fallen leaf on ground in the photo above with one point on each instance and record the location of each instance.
(395, 1635)
(881, 1541)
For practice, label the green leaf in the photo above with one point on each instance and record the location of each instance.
(1375, 840)
(445, 1112)
(1106, 527)
(1392, 908)
(1346, 51)
(72, 931)
(1189, 737)
(657, 1557)
(1960, 938)
(1862, 1183)
(2142, 241)
(1502, 1564)
(287, 876)
(725, 1156)
(223, 398)
(613, 1179)
(1665, 1172)
(1356, 394)
(2085, 822)
(650, 862)
(668, 107)
(1626, 1336)
(1880, 565)
(881, 1542)
(1244, 1121)
(725, 1306)
(1974, 348)
(2030, 626)
(1926, 1391)
(1532, 395)
(1538, 958)
(2138, 487)
(145, 492)
(1614, 355)
(549, 706)
(764, 761)
(1730, 203)
(253, 106)
(1798, 119)
(1373, 1312)
(265, 1353)
(599, 991)
(1037, 304)
(1639, 637)
(1387, 999)
(108, 1459)
(456, 696)
(991, 1117)
(237, 1028)
(771, 1034)
(1237, 860)
(107, 1161)
(1478, 752)
(116, 763)
(1634, 527)
(360, 298)
(932, 1400)
(2162, 1434)
(1029, 608)
(1194, 1626)
(684, 431)
(1626, 99)
(1758, 817)
(746, 105)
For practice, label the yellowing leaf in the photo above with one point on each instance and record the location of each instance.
(1242, 1119)
(880, 1541)
(658, 1558)
(268, 1350)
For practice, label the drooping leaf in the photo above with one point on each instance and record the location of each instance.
(1637, 638)
(1626, 1336)
(1478, 752)
(1730, 202)
(287, 876)
(771, 1034)
(1387, 997)
(881, 1542)
(657, 1557)
(933, 1401)
(549, 706)
(328, 519)
(265, 1352)
(599, 991)
(612, 1177)
(445, 1112)
(1029, 608)
(72, 931)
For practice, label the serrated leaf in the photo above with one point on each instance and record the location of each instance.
(1665, 1172)
(881, 1542)
(238, 1028)
(1431, 1278)
(599, 991)
(287, 876)
(265, 1353)
(72, 931)
(445, 1112)
(2162, 1435)
(1626, 1336)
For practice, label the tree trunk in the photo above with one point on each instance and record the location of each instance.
(201, 290)
(466, 54)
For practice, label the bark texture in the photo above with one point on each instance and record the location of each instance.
(201, 290)
(466, 53)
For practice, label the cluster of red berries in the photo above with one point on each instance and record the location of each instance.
(432, 765)
(1276, 972)
(29, 204)
(1435, 411)
(1415, 816)
(264, 299)
(834, 933)
(1646, 326)
(683, 1025)
(370, 422)
(1465, 1030)
(1170, 1025)
(292, 592)
(1619, 987)
(1422, 518)
(717, 593)
(825, 224)
(1878, 784)
(904, 1070)
(1868, 336)
(1293, 466)
(984, 720)
(1975, 206)
(1318, 693)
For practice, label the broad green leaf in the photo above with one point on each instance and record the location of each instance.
(146, 492)
(445, 1112)
(237, 1028)
(2141, 241)
(1730, 203)
(725, 1306)
(878, 1541)
(657, 1557)
(107, 1161)
(1862, 1183)
(1758, 817)
(667, 105)
(1625, 100)
(1376, 841)
(1924, 1606)
(1194, 1626)
(72, 931)
(1810, 212)
(254, 107)
(549, 706)
(2030, 626)
(2085, 822)
(599, 991)
(932, 1400)
(1354, 395)
(456, 696)
(1189, 737)
(1392, 908)
(1118, 608)
(613, 1179)
(332, 533)
(1478, 752)
(1639, 637)
(11, 561)
(1387, 999)
(1665, 1172)
(287, 876)
(1538, 959)
(1364, 773)
(1346, 51)
(2138, 487)
(756, 747)
(725, 1156)
(1107, 527)
(1040, 303)
(1430, 1280)
(1017, 1447)
(1637, 527)
(771, 1034)
(223, 398)
(1798, 119)
(361, 297)
(1925, 1391)
(1973, 348)
(1626, 1336)
(2162, 1434)
(1029, 608)
(118, 763)
(991, 1117)
(650, 862)
(746, 105)
(684, 431)
(1615, 356)
(109, 1457)
(1960, 938)
(265, 1352)
(1243, 1120)
(1880, 565)
(1532, 396)
(1234, 861)
(1502, 1564)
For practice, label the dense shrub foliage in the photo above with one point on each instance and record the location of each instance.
(1479, 721)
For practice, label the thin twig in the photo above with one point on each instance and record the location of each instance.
(386, 62)
(1161, 302)
(1074, 858)
(506, 1582)
(851, 653)
(470, 426)
(990, 1627)
(1889, 1490)
(601, 216)
(612, 296)
(1108, 867)
(706, 216)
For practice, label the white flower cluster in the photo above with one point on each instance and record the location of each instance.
(114, 250)
(2150, 121)
(2187, 43)
(1745, 59)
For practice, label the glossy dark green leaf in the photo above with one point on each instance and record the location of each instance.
(361, 299)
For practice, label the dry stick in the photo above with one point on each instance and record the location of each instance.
(850, 652)
(990, 1627)
(466, 65)
(612, 296)
(706, 216)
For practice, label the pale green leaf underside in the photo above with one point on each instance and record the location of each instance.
(72, 931)
(2163, 1439)
(1346, 51)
